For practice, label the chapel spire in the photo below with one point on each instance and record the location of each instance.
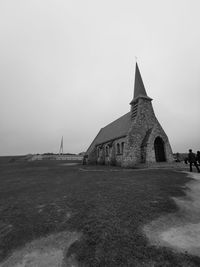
(139, 89)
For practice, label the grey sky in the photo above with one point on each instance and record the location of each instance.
(67, 68)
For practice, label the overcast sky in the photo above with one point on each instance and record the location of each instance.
(67, 69)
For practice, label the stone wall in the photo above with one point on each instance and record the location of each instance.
(138, 145)
(111, 153)
(141, 136)
(56, 157)
(92, 157)
(157, 131)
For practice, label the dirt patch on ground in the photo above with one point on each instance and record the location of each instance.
(49, 251)
(180, 231)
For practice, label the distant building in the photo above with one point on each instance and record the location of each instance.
(136, 137)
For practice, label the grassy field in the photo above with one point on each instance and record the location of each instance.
(109, 206)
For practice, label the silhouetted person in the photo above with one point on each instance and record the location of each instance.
(198, 157)
(192, 160)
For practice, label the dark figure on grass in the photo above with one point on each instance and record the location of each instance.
(192, 160)
(198, 157)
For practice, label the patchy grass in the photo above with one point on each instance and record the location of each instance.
(108, 205)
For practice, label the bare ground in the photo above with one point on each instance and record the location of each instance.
(180, 230)
(48, 251)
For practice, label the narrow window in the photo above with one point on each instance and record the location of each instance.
(118, 148)
(134, 110)
(107, 151)
(122, 147)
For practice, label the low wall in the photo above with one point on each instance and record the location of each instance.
(56, 157)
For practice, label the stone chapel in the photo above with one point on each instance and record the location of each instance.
(136, 137)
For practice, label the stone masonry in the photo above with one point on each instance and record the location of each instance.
(137, 137)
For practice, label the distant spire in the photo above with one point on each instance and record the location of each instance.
(139, 89)
(61, 147)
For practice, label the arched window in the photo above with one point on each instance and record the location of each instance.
(122, 147)
(107, 151)
(98, 151)
(118, 148)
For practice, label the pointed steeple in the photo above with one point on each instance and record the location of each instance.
(139, 89)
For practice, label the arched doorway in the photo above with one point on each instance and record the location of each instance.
(159, 149)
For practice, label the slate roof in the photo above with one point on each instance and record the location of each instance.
(113, 130)
(120, 127)
(139, 88)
